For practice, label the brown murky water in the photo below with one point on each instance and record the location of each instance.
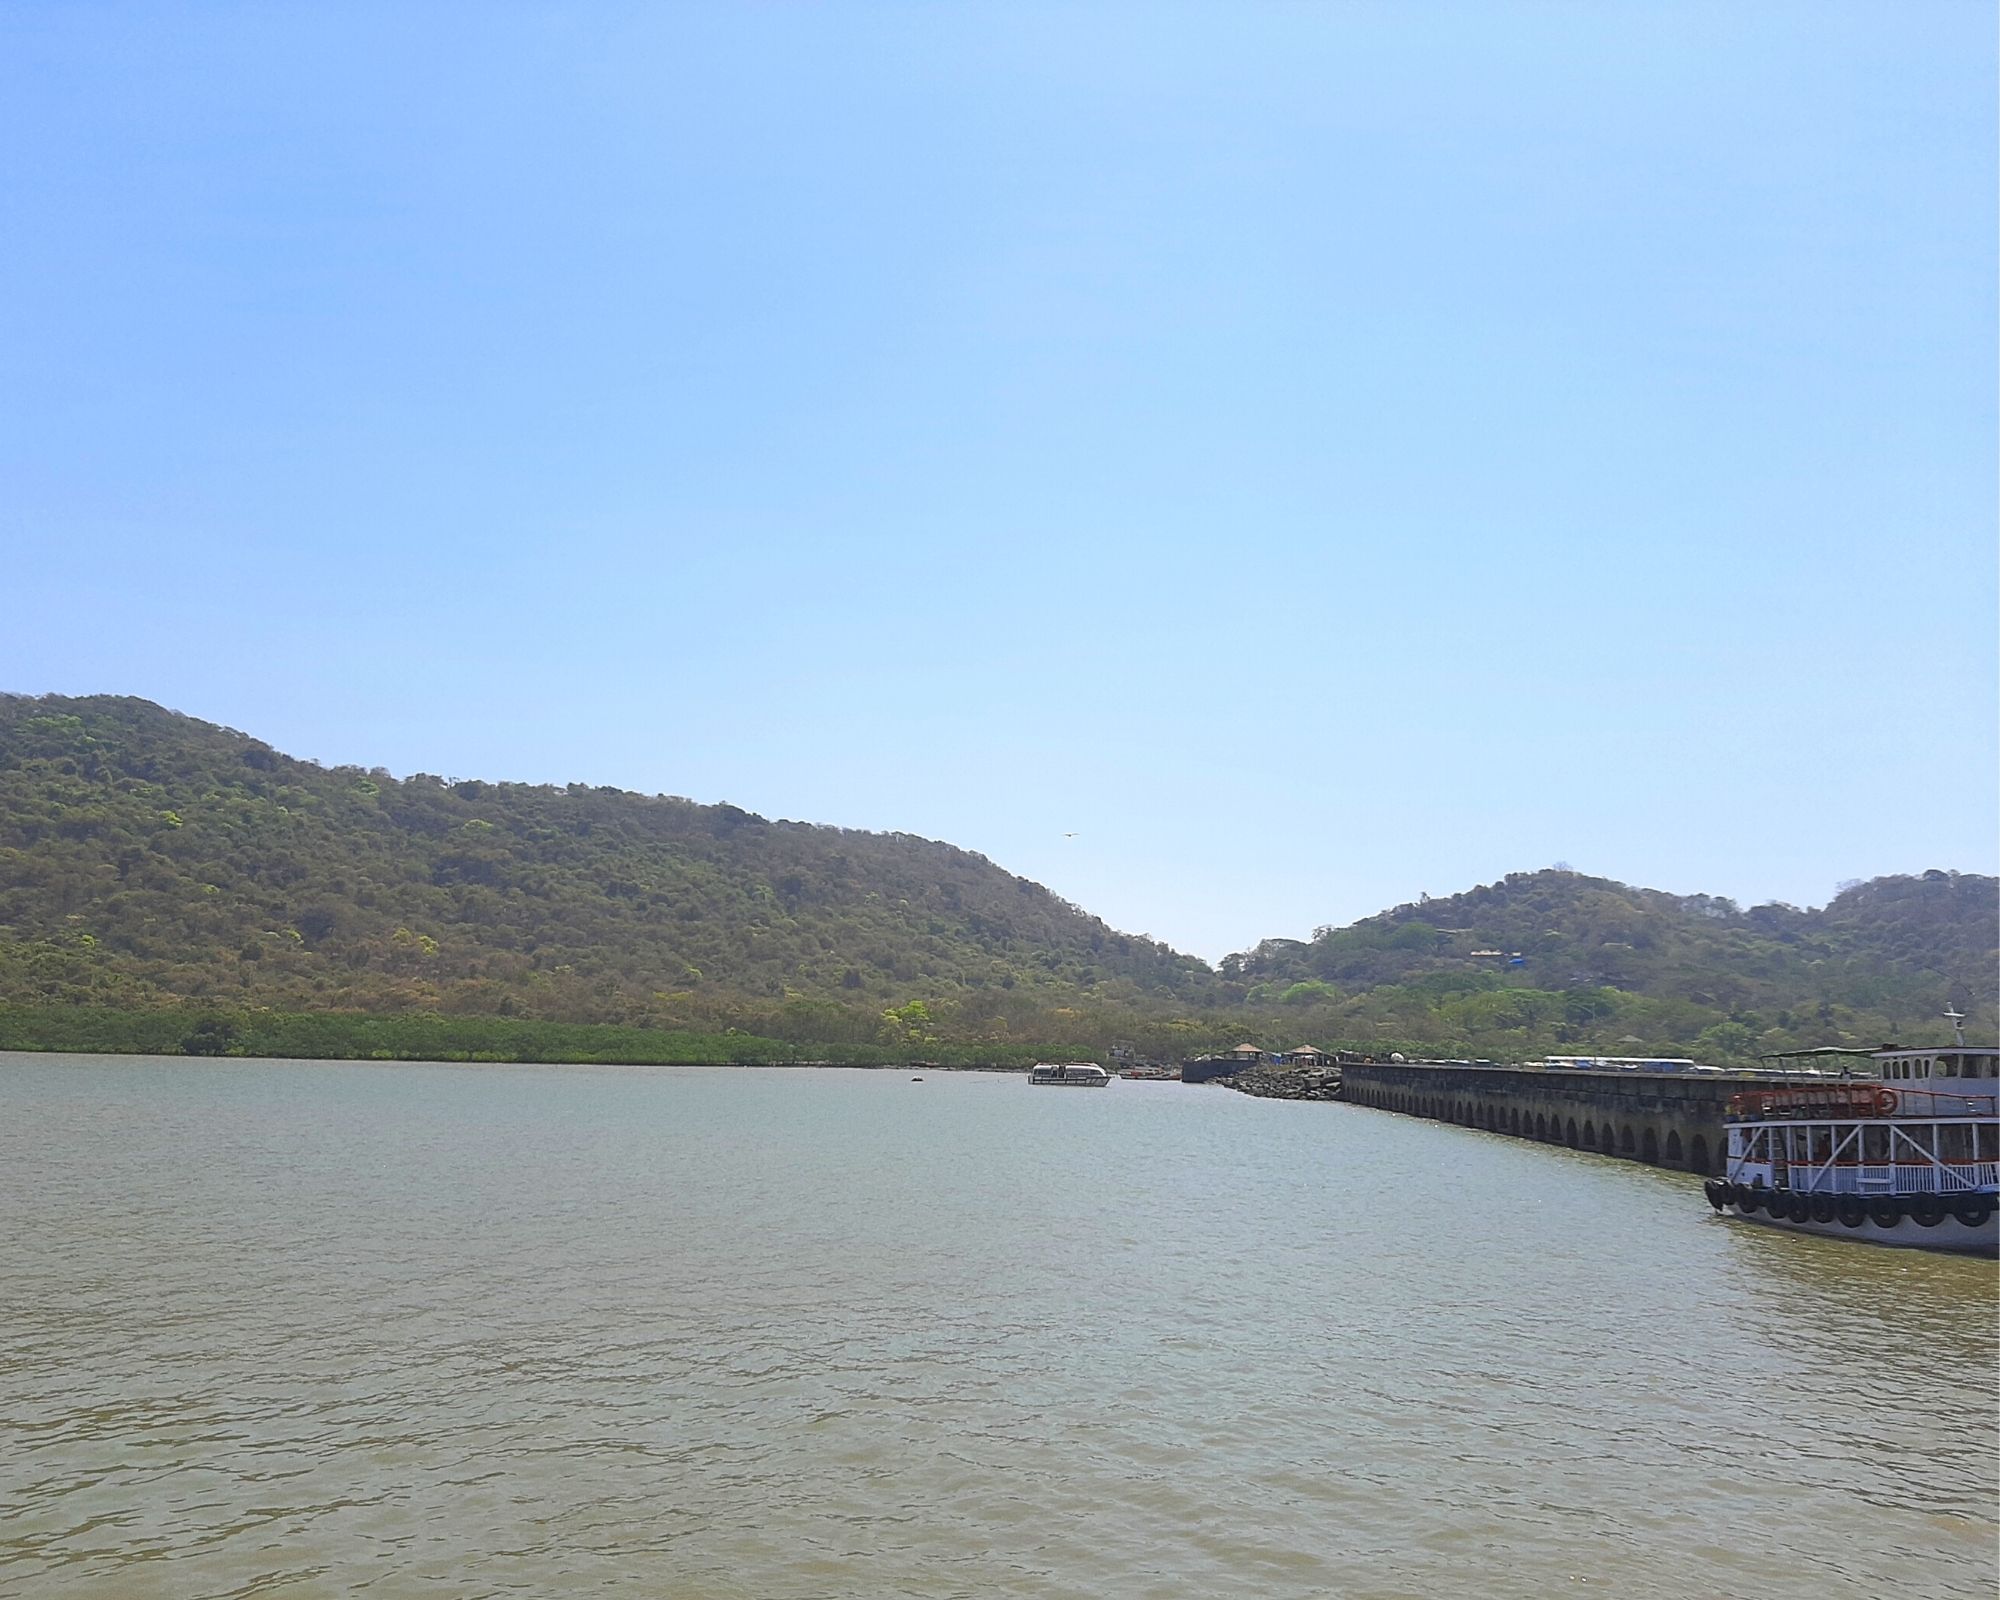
(328, 1329)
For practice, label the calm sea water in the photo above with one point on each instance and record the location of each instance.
(325, 1329)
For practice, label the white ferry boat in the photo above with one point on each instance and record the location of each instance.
(1070, 1075)
(1906, 1151)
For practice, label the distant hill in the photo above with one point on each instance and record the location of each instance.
(146, 855)
(1554, 956)
(150, 860)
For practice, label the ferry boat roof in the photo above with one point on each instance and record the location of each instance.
(1901, 1061)
(1951, 1062)
(1913, 1052)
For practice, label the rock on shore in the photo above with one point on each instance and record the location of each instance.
(1307, 1083)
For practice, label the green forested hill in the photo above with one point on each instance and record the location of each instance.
(149, 860)
(146, 855)
(1558, 960)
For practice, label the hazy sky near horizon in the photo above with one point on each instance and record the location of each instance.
(1314, 454)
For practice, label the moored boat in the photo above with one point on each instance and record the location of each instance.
(1069, 1075)
(1905, 1151)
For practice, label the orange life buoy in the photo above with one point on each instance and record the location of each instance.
(1885, 1102)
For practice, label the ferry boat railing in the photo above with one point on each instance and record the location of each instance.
(1934, 1177)
(1931, 1177)
(1835, 1159)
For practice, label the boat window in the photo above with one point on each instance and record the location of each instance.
(1822, 1145)
(1955, 1141)
(1986, 1143)
(1875, 1143)
(1923, 1136)
(1947, 1066)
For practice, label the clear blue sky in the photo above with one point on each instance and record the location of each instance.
(1316, 453)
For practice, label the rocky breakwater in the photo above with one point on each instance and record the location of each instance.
(1304, 1083)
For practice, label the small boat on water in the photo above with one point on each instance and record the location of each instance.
(1069, 1075)
(1904, 1150)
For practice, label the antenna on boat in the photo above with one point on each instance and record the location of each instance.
(1957, 1020)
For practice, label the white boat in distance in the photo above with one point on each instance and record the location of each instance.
(1070, 1075)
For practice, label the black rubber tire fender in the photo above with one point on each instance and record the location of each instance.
(1799, 1208)
(1822, 1208)
(1717, 1193)
(1885, 1211)
(1853, 1210)
(1972, 1210)
(1926, 1210)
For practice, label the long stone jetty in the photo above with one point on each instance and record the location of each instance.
(1670, 1119)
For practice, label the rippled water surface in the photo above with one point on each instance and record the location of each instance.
(321, 1329)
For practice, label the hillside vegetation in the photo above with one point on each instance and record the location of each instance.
(147, 856)
(1556, 960)
(157, 868)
